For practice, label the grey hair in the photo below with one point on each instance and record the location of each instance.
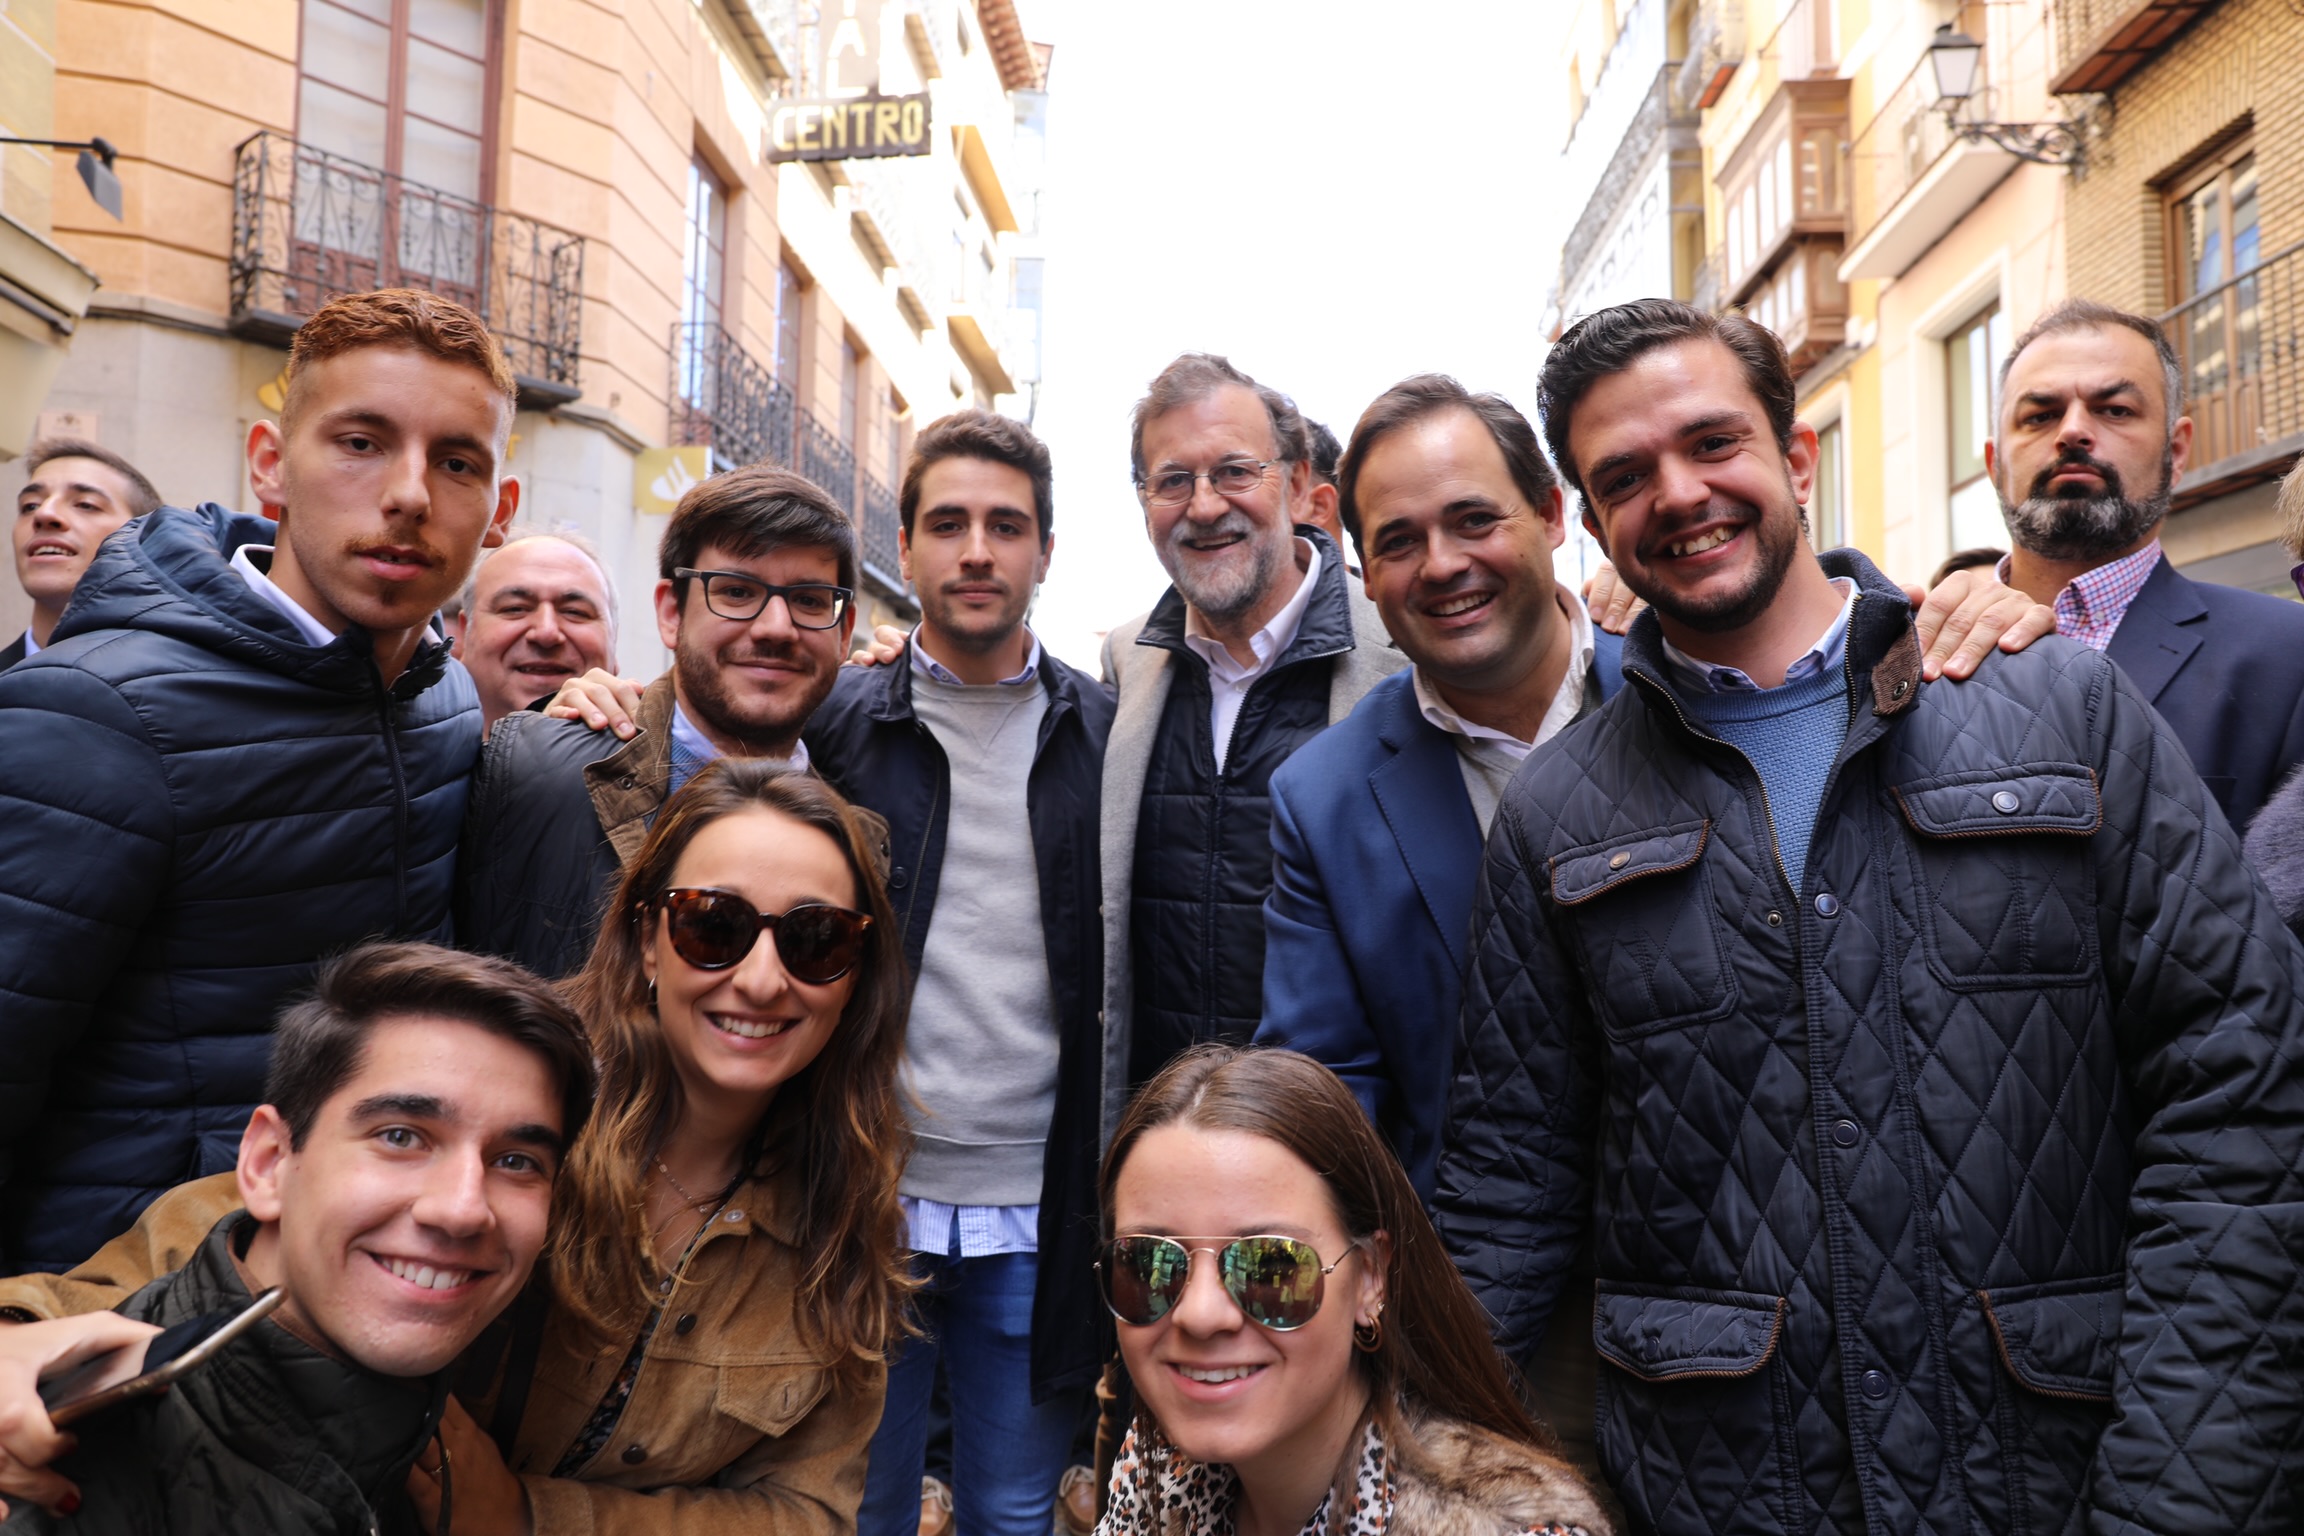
(519, 534)
(1194, 377)
(2088, 315)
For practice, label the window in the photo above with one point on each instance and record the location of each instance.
(703, 260)
(401, 85)
(851, 386)
(1971, 365)
(789, 288)
(2216, 240)
(1828, 500)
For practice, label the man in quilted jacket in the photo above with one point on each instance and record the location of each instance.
(1924, 1063)
(243, 748)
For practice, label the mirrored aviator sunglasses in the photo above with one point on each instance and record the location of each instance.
(714, 929)
(1276, 1282)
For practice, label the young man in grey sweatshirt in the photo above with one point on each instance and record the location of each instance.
(985, 754)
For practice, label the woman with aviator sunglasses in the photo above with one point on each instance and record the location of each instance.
(727, 1274)
(1306, 1360)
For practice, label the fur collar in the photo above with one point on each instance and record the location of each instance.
(2276, 848)
(1454, 1479)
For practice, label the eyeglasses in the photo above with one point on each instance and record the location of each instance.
(714, 929)
(1174, 487)
(734, 595)
(1275, 1281)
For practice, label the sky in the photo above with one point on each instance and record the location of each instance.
(1334, 195)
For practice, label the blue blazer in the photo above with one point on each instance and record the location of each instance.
(2225, 668)
(1375, 854)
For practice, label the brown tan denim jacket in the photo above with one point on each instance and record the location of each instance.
(731, 1426)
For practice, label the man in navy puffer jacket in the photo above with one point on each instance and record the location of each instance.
(232, 761)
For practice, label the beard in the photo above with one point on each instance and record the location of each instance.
(1775, 541)
(767, 725)
(2076, 527)
(1232, 585)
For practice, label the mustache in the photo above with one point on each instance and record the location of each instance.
(1233, 522)
(2076, 458)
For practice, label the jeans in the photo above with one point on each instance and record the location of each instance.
(1007, 1451)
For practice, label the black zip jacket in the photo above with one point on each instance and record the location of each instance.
(195, 807)
(867, 743)
(272, 1435)
(1961, 1190)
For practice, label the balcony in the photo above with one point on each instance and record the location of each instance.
(309, 226)
(723, 399)
(2243, 365)
(1911, 180)
(2100, 43)
(976, 319)
(1715, 48)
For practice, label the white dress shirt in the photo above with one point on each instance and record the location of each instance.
(1488, 757)
(1228, 680)
(313, 631)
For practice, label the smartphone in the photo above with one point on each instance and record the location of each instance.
(179, 1351)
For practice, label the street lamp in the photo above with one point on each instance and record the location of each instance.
(1955, 59)
(96, 157)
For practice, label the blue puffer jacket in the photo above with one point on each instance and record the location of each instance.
(195, 806)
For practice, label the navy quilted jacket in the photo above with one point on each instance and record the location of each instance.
(1959, 1191)
(195, 806)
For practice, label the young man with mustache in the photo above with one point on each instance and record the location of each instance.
(243, 748)
(756, 599)
(396, 1184)
(984, 753)
(2090, 441)
(1922, 1062)
(76, 494)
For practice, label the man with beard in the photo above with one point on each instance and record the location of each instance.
(1259, 646)
(756, 601)
(984, 753)
(1923, 1061)
(2089, 443)
(242, 748)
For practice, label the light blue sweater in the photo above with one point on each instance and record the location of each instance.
(1792, 734)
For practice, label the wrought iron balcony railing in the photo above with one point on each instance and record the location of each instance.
(2243, 363)
(308, 226)
(876, 527)
(2100, 43)
(722, 399)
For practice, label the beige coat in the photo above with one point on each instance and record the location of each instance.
(738, 1428)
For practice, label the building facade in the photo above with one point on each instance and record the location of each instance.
(595, 177)
(1898, 251)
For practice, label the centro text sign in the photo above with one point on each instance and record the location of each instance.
(862, 127)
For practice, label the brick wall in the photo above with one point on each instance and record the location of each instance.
(2245, 57)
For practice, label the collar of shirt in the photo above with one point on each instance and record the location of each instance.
(1267, 642)
(2093, 603)
(1826, 653)
(692, 749)
(925, 665)
(1566, 704)
(32, 647)
(313, 631)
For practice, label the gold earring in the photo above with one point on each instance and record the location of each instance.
(1368, 1336)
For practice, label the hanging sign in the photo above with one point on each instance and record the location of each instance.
(847, 118)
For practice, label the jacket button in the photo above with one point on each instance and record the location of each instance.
(627, 782)
(686, 1325)
(1875, 1388)
(636, 1454)
(2007, 802)
(1619, 860)
(1827, 904)
(898, 878)
(1844, 1134)
(1775, 918)
(1898, 691)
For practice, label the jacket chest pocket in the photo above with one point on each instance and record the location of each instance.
(1643, 913)
(2005, 887)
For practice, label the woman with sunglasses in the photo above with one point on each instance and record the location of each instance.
(1306, 1361)
(727, 1274)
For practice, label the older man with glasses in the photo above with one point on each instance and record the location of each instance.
(756, 602)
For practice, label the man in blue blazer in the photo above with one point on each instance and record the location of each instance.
(2085, 453)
